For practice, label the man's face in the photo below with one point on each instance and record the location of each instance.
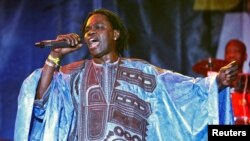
(234, 52)
(99, 36)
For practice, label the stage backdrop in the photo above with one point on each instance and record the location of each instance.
(172, 34)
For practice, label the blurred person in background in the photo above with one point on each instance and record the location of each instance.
(235, 50)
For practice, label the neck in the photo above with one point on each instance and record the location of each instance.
(106, 59)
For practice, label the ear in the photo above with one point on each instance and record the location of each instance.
(116, 34)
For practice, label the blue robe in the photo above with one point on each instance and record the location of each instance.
(145, 103)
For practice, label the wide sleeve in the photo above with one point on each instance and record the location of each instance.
(25, 106)
(44, 119)
(185, 106)
(197, 93)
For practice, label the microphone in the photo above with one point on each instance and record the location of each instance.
(53, 43)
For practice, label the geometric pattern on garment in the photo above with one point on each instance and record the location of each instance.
(137, 77)
(125, 111)
(131, 112)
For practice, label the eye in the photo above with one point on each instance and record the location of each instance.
(94, 27)
(99, 26)
(86, 30)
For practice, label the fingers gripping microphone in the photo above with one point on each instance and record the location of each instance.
(53, 43)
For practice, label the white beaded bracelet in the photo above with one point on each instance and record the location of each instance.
(50, 64)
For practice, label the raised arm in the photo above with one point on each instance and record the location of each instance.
(53, 61)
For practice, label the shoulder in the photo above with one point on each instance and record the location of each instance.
(135, 61)
(141, 65)
(72, 67)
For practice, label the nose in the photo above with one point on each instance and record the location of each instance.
(91, 32)
(230, 55)
(88, 34)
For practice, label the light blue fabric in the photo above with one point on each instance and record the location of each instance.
(181, 106)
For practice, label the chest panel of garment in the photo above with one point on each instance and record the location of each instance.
(100, 107)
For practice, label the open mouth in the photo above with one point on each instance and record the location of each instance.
(93, 43)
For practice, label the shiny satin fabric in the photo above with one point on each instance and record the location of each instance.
(181, 107)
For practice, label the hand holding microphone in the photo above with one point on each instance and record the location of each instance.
(63, 41)
(63, 44)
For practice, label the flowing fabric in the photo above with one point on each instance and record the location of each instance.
(147, 103)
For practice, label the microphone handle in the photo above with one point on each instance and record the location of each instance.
(52, 43)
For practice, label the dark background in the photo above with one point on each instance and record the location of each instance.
(167, 33)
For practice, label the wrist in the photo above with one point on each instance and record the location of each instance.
(53, 61)
(221, 86)
(55, 55)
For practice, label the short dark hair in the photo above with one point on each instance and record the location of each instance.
(116, 23)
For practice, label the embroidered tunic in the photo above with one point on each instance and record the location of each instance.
(126, 100)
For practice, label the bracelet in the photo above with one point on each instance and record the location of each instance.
(54, 60)
(50, 64)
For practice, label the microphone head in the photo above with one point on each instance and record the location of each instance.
(39, 44)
